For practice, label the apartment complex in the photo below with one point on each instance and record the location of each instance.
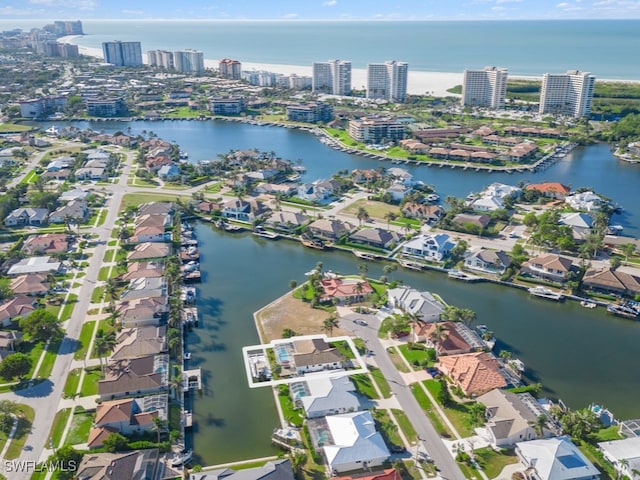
(188, 61)
(387, 81)
(333, 76)
(485, 88)
(160, 58)
(122, 54)
(376, 130)
(231, 69)
(568, 93)
(310, 112)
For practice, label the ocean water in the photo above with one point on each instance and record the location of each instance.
(607, 48)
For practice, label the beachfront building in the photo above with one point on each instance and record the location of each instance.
(160, 58)
(485, 88)
(376, 130)
(387, 81)
(231, 69)
(122, 54)
(332, 76)
(189, 61)
(568, 93)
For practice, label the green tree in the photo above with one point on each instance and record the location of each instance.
(115, 442)
(628, 249)
(15, 365)
(292, 284)
(329, 324)
(69, 460)
(41, 325)
(5, 289)
(159, 426)
(104, 344)
(540, 424)
(362, 215)
(390, 217)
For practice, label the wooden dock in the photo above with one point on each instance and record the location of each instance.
(192, 379)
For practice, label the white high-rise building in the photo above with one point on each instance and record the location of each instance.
(160, 58)
(485, 88)
(188, 61)
(333, 76)
(122, 54)
(568, 93)
(388, 81)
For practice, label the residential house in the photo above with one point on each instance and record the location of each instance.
(285, 189)
(624, 455)
(139, 342)
(475, 373)
(422, 304)
(149, 269)
(60, 175)
(331, 229)
(555, 459)
(138, 376)
(580, 224)
(347, 290)
(169, 172)
(365, 176)
(20, 217)
(548, 266)
(398, 191)
(34, 265)
(429, 247)
(585, 201)
(8, 341)
(550, 189)
(353, 443)
(148, 250)
(488, 261)
(480, 221)
(14, 309)
(144, 288)
(612, 281)
(156, 208)
(48, 243)
(273, 470)
(59, 163)
(487, 203)
(243, 210)
(30, 284)
(150, 234)
(376, 237)
(75, 211)
(429, 213)
(511, 418)
(457, 338)
(135, 465)
(322, 396)
(127, 416)
(74, 194)
(91, 173)
(400, 174)
(315, 355)
(162, 220)
(286, 221)
(154, 164)
(141, 312)
(317, 191)
(387, 474)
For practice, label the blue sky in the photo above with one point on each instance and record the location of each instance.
(322, 9)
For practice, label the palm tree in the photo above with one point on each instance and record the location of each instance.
(467, 316)
(387, 269)
(159, 426)
(539, 424)
(104, 343)
(363, 268)
(628, 249)
(362, 215)
(390, 217)
(437, 335)
(413, 319)
(329, 324)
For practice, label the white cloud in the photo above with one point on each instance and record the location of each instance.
(17, 12)
(508, 1)
(330, 3)
(291, 15)
(79, 4)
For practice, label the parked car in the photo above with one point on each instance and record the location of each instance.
(397, 449)
(360, 322)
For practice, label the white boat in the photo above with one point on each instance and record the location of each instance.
(182, 458)
(517, 364)
(364, 255)
(187, 356)
(433, 197)
(457, 274)
(544, 292)
(299, 168)
(588, 304)
(261, 232)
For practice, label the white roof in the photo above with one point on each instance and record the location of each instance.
(33, 265)
(557, 459)
(354, 439)
(622, 449)
(501, 190)
(413, 301)
(326, 393)
(576, 219)
(491, 202)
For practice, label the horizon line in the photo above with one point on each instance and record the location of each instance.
(292, 20)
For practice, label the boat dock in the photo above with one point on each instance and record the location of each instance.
(191, 380)
(464, 276)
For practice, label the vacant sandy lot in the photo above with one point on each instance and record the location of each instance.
(289, 312)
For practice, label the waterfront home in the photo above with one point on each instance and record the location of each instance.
(365, 176)
(477, 220)
(145, 288)
(154, 164)
(20, 217)
(585, 201)
(156, 208)
(345, 290)
(286, 221)
(285, 189)
(398, 191)
(548, 266)
(580, 224)
(169, 172)
(330, 229)
(322, 396)
(207, 207)
(75, 211)
(522, 151)
(15, 308)
(511, 418)
(139, 342)
(429, 213)
(555, 459)
(429, 247)
(486, 203)
(150, 234)
(457, 338)
(488, 261)
(42, 264)
(30, 284)
(75, 194)
(138, 376)
(143, 270)
(244, 210)
(350, 442)
(422, 304)
(315, 355)
(148, 250)
(376, 237)
(401, 175)
(550, 189)
(624, 455)
(273, 470)
(137, 464)
(315, 192)
(141, 312)
(612, 281)
(162, 220)
(128, 416)
(475, 373)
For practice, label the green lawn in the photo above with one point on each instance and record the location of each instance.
(364, 385)
(457, 413)
(97, 294)
(80, 426)
(418, 358)
(59, 422)
(291, 415)
(108, 256)
(374, 208)
(397, 361)
(90, 382)
(405, 425)
(388, 429)
(30, 177)
(135, 199)
(71, 384)
(428, 408)
(49, 359)
(25, 419)
(83, 341)
(67, 309)
(106, 273)
(607, 472)
(493, 462)
(382, 383)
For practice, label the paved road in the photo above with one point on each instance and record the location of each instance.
(431, 441)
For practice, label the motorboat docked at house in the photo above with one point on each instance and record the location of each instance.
(460, 275)
(299, 168)
(623, 310)
(433, 197)
(410, 265)
(487, 336)
(588, 304)
(544, 292)
(187, 355)
(312, 243)
(364, 255)
(182, 458)
(260, 231)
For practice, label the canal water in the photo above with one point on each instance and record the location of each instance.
(579, 355)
